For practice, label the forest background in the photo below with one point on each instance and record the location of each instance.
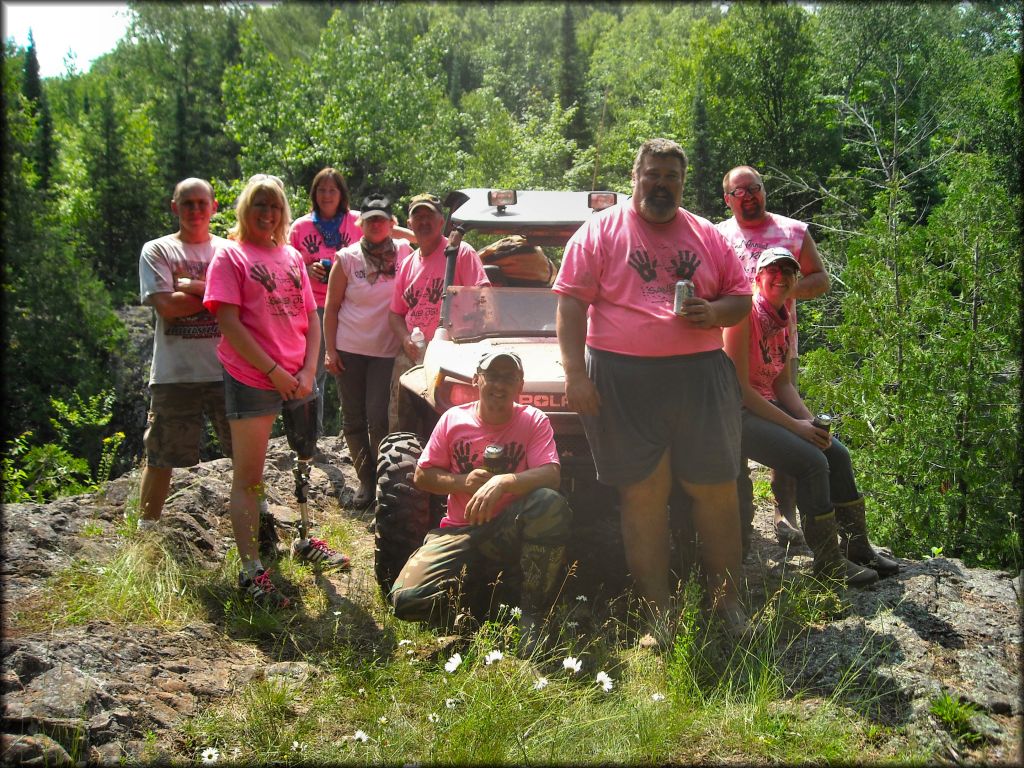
(894, 129)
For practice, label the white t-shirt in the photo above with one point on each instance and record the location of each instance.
(363, 327)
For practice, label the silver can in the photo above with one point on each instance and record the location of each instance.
(684, 291)
(494, 459)
(823, 421)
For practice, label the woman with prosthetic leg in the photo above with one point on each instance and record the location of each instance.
(260, 293)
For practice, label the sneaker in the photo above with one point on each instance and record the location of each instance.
(261, 590)
(316, 552)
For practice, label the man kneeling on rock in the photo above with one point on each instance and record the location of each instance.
(496, 459)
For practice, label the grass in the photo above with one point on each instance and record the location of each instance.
(703, 700)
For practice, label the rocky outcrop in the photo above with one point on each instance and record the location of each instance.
(106, 693)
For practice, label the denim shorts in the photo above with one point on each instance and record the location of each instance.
(245, 402)
(688, 405)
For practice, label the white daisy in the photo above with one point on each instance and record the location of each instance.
(453, 662)
(450, 703)
(517, 612)
(432, 718)
(572, 664)
(540, 684)
(382, 720)
(604, 681)
(581, 598)
(493, 656)
(361, 736)
(404, 642)
(210, 755)
(657, 697)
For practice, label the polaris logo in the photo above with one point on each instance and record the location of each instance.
(553, 402)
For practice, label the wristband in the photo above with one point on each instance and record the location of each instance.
(274, 368)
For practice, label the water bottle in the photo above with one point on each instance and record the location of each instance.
(419, 340)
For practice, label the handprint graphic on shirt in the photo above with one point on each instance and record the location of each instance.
(465, 458)
(766, 352)
(295, 275)
(263, 276)
(515, 453)
(311, 243)
(434, 290)
(345, 239)
(685, 267)
(410, 297)
(644, 265)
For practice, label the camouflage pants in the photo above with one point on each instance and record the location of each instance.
(453, 562)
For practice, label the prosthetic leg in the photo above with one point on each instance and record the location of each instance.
(301, 430)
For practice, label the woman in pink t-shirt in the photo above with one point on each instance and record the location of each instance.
(259, 291)
(360, 345)
(779, 432)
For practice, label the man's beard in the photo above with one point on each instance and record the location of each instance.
(658, 205)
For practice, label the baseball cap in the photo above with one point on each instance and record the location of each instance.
(425, 199)
(773, 255)
(489, 357)
(375, 205)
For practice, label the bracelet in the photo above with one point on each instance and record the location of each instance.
(274, 368)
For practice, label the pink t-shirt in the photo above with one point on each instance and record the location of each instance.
(749, 241)
(417, 295)
(363, 327)
(459, 439)
(271, 288)
(769, 345)
(626, 269)
(306, 239)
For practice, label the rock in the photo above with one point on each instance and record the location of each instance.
(23, 749)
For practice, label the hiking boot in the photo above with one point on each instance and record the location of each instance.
(317, 553)
(261, 590)
(854, 544)
(788, 535)
(267, 537)
(829, 563)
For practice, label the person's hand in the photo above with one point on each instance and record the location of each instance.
(316, 271)
(581, 395)
(283, 382)
(816, 436)
(411, 350)
(483, 505)
(333, 364)
(699, 312)
(190, 285)
(305, 381)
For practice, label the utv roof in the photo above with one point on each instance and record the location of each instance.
(543, 217)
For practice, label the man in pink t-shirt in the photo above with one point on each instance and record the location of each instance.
(751, 231)
(502, 510)
(657, 396)
(416, 299)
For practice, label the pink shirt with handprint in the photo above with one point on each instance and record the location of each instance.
(417, 293)
(271, 288)
(307, 240)
(626, 269)
(458, 441)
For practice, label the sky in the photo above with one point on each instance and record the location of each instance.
(87, 29)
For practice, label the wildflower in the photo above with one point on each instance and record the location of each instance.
(517, 612)
(361, 736)
(540, 684)
(210, 755)
(404, 642)
(298, 746)
(657, 697)
(604, 681)
(453, 662)
(337, 613)
(572, 624)
(572, 664)
(382, 720)
(410, 652)
(361, 691)
(493, 656)
(432, 718)
(581, 598)
(450, 703)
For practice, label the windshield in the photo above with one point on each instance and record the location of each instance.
(481, 312)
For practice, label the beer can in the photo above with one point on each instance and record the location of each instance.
(326, 264)
(684, 291)
(823, 421)
(494, 459)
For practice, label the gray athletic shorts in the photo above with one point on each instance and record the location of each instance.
(688, 404)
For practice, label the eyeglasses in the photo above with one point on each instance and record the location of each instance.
(753, 189)
(775, 269)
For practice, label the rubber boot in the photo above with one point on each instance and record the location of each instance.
(542, 567)
(787, 532)
(366, 471)
(854, 544)
(829, 563)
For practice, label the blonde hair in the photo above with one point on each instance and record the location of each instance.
(273, 186)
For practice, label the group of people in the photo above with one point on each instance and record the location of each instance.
(669, 390)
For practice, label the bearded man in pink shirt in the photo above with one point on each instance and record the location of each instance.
(751, 231)
(658, 398)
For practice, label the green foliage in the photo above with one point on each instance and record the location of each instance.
(40, 473)
(956, 715)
